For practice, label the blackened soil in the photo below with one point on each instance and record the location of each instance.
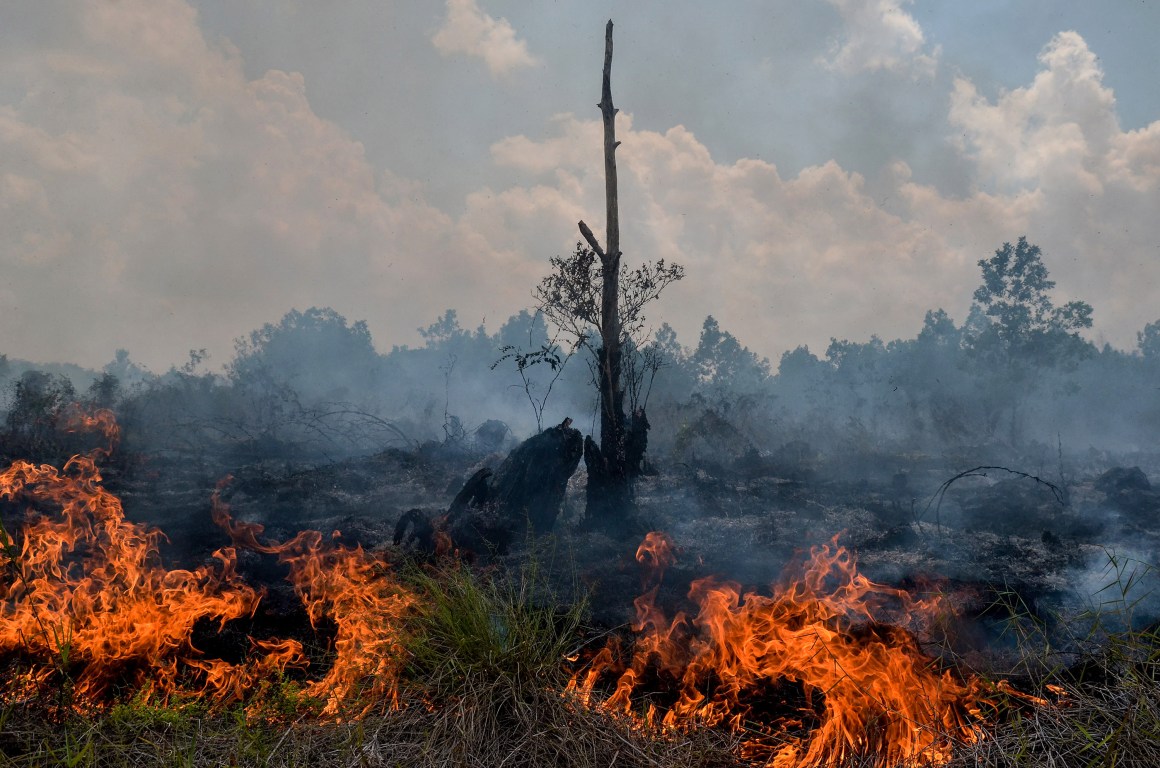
(986, 537)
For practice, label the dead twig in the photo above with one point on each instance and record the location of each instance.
(937, 498)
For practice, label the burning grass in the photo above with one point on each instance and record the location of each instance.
(436, 666)
(1100, 677)
(861, 688)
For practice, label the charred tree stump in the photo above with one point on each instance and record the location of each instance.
(529, 486)
(609, 498)
(525, 493)
(636, 443)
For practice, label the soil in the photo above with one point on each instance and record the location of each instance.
(985, 538)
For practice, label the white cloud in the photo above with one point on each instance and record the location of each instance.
(782, 261)
(879, 34)
(1055, 131)
(1090, 190)
(155, 198)
(468, 30)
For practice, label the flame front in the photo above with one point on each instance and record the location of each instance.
(353, 588)
(868, 688)
(85, 602)
(84, 592)
(84, 599)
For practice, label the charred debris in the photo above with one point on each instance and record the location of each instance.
(980, 476)
(1005, 448)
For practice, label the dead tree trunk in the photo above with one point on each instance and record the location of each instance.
(492, 509)
(609, 480)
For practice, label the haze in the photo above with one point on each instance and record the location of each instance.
(175, 174)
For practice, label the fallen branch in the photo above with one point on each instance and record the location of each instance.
(937, 497)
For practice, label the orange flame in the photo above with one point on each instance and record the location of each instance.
(101, 420)
(656, 552)
(353, 589)
(85, 594)
(85, 597)
(868, 686)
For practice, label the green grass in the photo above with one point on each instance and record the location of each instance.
(490, 628)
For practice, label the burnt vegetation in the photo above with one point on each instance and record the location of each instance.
(1007, 456)
(994, 477)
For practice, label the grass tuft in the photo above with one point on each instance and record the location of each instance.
(489, 628)
(1098, 671)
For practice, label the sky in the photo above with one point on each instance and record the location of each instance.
(175, 173)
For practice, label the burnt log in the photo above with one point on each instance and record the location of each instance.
(416, 529)
(1119, 480)
(1129, 491)
(529, 486)
(525, 493)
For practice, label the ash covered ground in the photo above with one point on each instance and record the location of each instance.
(1049, 544)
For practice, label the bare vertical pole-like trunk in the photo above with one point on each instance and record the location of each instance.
(609, 483)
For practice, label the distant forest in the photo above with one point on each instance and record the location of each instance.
(1013, 377)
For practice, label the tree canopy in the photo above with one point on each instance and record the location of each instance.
(1025, 322)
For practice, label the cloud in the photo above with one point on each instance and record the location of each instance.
(1090, 189)
(468, 30)
(154, 197)
(878, 34)
(1058, 130)
(780, 261)
(785, 260)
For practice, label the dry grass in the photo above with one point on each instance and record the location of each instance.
(1115, 724)
(487, 725)
(1101, 675)
(1103, 710)
(497, 721)
(483, 688)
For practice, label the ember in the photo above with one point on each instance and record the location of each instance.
(866, 687)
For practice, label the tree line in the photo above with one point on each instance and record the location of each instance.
(1014, 373)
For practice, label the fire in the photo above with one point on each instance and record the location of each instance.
(101, 420)
(866, 687)
(84, 599)
(823, 669)
(354, 589)
(84, 593)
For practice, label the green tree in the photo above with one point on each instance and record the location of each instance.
(1148, 341)
(1025, 323)
(536, 352)
(315, 353)
(724, 365)
(1016, 331)
(34, 427)
(310, 380)
(104, 392)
